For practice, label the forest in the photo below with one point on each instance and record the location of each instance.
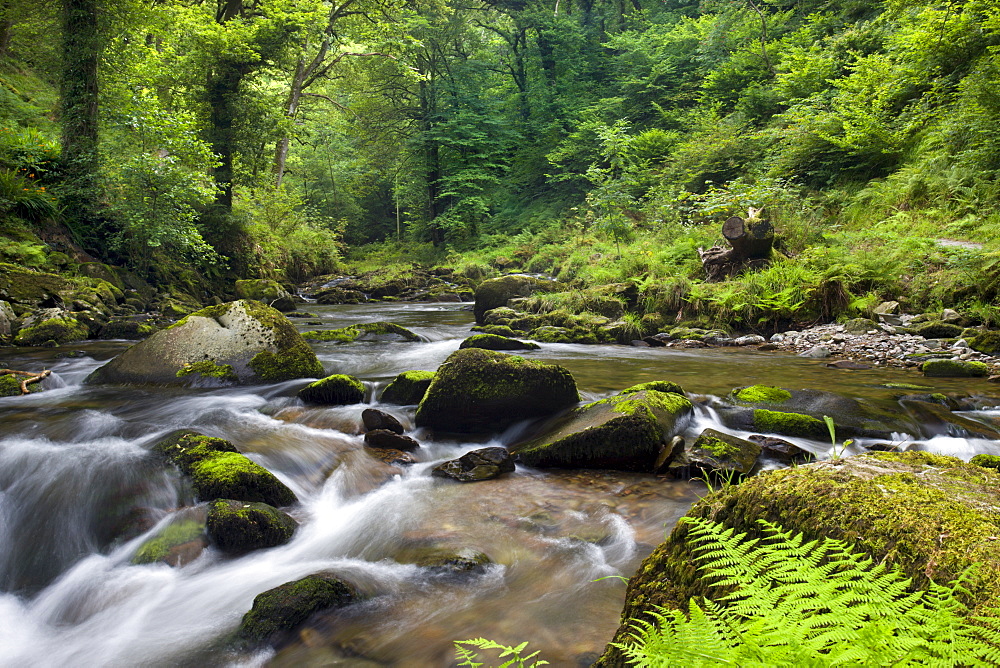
(591, 140)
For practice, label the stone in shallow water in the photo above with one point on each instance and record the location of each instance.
(484, 464)
(286, 607)
(236, 527)
(390, 440)
(376, 419)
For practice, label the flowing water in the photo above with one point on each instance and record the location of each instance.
(80, 491)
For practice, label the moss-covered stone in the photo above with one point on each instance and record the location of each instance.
(408, 388)
(954, 369)
(257, 341)
(218, 470)
(986, 461)
(938, 330)
(495, 342)
(266, 291)
(10, 386)
(496, 292)
(336, 390)
(623, 432)
(499, 330)
(485, 391)
(237, 527)
(176, 544)
(288, 606)
(553, 334)
(860, 326)
(789, 424)
(61, 330)
(130, 327)
(714, 450)
(369, 331)
(986, 342)
(658, 385)
(931, 515)
(444, 560)
(760, 394)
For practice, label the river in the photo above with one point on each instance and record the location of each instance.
(76, 475)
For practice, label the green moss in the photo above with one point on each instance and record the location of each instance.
(789, 424)
(499, 330)
(929, 514)
(361, 331)
(237, 527)
(209, 369)
(337, 389)
(286, 607)
(10, 386)
(60, 330)
(158, 548)
(298, 361)
(986, 342)
(954, 369)
(905, 386)
(761, 394)
(408, 388)
(718, 447)
(218, 470)
(986, 461)
(657, 385)
(938, 330)
(626, 404)
(495, 342)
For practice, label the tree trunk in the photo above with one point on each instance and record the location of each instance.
(222, 91)
(750, 243)
(81, 49)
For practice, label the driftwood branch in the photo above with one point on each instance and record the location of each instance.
(29, 377)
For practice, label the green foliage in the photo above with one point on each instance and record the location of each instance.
(21, 196)
(783, 601)
(28, 151)
(468, 652)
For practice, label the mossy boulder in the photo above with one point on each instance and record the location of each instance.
(554, 334)
(483, 391)
(10, 386)
(444, 560)
(625, 432)
(178, 543)
(986, 342)
(408, 388)
(933, 516)
(257, 341)
(495, 342)
(285, 608)
(954, 369)
(218, 470)
(128, 327)
(237, 527)
(986, 461)
(860, 326)
(368, 331)
(266, 291)
(496, 292)
(716, 451)
(338, 389)
(60, 328)
(852, 417)
(658, 385)
(482, 464)
(937, 329)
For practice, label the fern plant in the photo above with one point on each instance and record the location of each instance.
(469, 655)
(796, 603)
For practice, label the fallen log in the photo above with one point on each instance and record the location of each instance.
(29, 377)
(750, 241)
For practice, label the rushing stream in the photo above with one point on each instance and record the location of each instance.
(76, 475)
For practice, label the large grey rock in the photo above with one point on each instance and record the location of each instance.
(496, 292)
(266, 291)
(242, 341)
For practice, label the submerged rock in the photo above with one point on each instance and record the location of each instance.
(933, 516)
(624, 432)
(481, 391)
(948, 368)
(444, 560)
(288, 606)
(336, 390)
(178, 543)
(369, 331)
(256, 341)
(237, 527)
(483, 464)
(408, 388)
(218, 471)
(373, 418)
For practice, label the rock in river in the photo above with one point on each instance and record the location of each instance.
(625, 432)
(242, 341)
(482, 391)
(483, 464)
(236, 527)
(286, 607)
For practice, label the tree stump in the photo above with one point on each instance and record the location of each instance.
(750, 242)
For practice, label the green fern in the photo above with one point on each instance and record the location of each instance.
(785, 601)
(469, 655)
